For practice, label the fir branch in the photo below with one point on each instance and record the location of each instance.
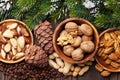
(78, 10)
(109, 16)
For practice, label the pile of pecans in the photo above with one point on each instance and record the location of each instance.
(14, 38)
(109, 49)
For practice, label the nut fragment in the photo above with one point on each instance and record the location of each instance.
(3, 54)
(13, 42)
(24, 32)
(2, 39)
(53, 64)
(105, 73)
(12, 26)
(14, 51)
(21, 41)
(115, 64)
(107, 36)
(7, 47)
(83, 70)
(108, 50)
(98, 68)
(18, 55)
(8, 34)
(113, 56)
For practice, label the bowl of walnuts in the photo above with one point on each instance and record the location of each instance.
(108, 55)
(75, 40)
(15, 37)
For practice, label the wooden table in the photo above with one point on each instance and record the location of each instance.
(92, 74)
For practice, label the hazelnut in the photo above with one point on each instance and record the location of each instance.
(77, 54)
(87, 46)
(68, 49)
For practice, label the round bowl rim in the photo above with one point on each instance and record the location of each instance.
(98, 59)
(55, 44)
(18, 21)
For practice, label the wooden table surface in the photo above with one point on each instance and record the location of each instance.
(92, 74)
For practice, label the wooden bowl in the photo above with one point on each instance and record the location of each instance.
(100, 60)
(58, 48)
(9, 21)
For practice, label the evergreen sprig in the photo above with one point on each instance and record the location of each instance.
(109, 14)
(105, 13)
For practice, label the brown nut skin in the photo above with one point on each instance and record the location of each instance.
(77, 54)
(87, 46)
(68, 49)
(86, 30)
(77, 41)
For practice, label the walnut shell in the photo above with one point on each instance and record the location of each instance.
(71, 25)
(72, 28)
(86, 38)
(86, 29)
(77, 54)
(68, 49)
(79, 31)
(77, 41)
(87, 46)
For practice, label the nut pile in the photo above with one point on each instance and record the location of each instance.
(67, 68)
(103, 72)
(24, 71)
(14, 38)
(109, 49)
(76, 40)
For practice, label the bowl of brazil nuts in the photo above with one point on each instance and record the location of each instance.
(108, 55)
(15, 37)
(75, 40)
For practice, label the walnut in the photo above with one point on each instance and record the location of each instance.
(86, 29)
(72, 28)
(65, 38)
(77, 54)
(68, 49)
(77, 41)
(87, 46)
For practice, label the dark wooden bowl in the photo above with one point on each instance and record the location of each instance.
(31, 38)
(58, 48)
(100, 61)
